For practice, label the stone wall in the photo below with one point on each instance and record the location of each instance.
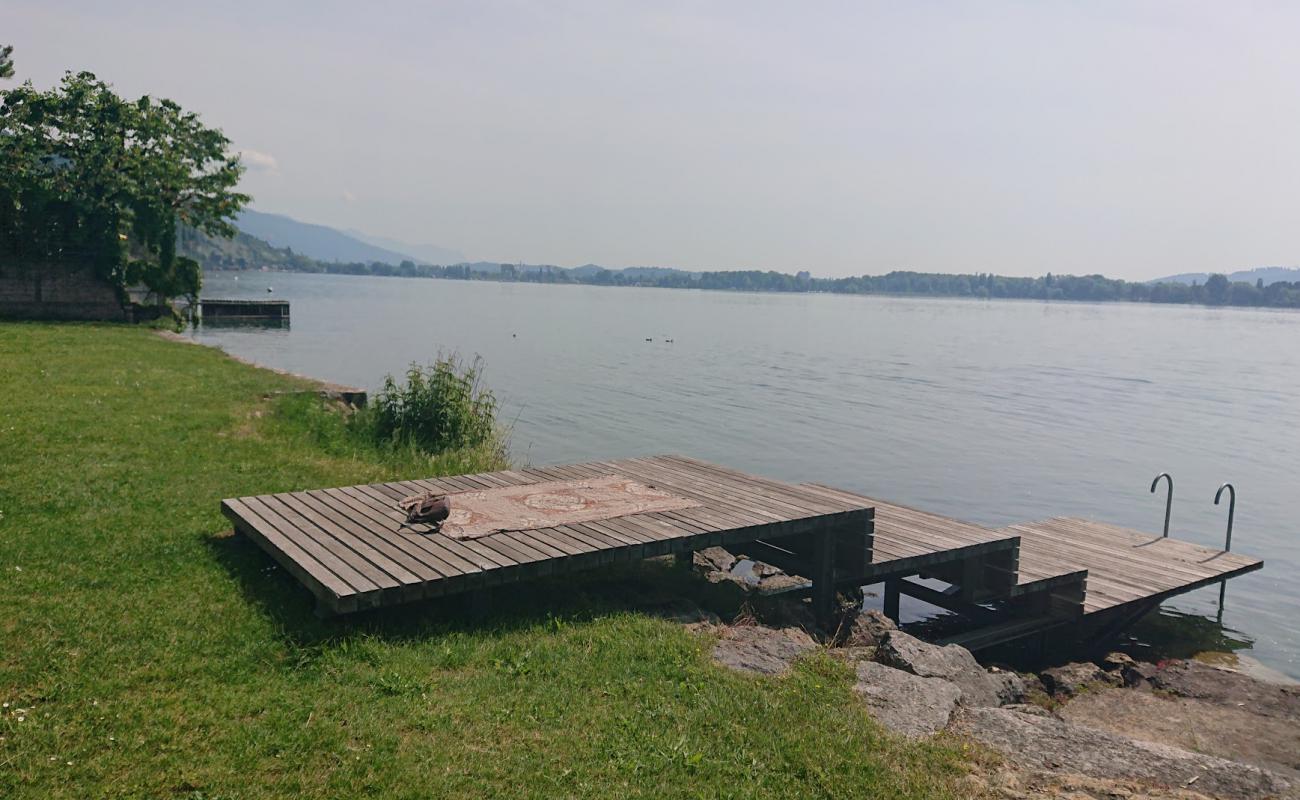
(57, 292)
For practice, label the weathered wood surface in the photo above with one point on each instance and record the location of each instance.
(1123, 565)
(908, 539)
(353, 549)
(212, 310)
(1113, 566)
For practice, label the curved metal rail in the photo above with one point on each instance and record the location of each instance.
(1169, 497)
(1232, 510)
(1227, 542)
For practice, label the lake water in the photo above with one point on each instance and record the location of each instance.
(991, 411)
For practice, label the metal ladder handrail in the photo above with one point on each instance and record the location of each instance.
(1169, 498)
(1232, 510)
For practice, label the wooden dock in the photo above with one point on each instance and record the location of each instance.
(1092, 575)
(212, 310)
(352, 547)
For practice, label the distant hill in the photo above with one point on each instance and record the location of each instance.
(423, 253)
(1270, 276)
(243, 251)
(249, 252)
(315, 241)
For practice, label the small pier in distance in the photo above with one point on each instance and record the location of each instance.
(270, 311)
(354, 548)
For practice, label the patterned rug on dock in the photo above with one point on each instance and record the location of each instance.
(545, 505)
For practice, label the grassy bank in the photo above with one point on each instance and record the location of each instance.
(144, 652)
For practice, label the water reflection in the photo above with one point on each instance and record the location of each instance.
(218, 323)
(1170, 633)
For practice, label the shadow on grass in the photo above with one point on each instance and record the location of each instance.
(655, 587)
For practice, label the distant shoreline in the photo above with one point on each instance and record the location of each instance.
(1193, 295)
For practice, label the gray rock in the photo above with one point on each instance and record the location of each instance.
(1033, 685)
(1204, 682)
(951, 663)
(719, 565)
(1138, 674)
(1044, 743)
(866, 628)
(853, 654)
(1117, 662)
(1071, 679)
(905, 703)
(1029, 708)
(768, 651)
(1010, 687)
(714, 559)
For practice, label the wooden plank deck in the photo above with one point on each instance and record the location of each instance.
(1075, 567)
(911, 542)
(352, 548)
(908, 540)
(1124, 566)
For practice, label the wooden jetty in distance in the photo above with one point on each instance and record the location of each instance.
(243, 310)
(353, 548)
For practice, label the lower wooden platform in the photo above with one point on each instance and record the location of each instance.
(1123, 565)
(1068, 570)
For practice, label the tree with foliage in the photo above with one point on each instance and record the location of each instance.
(87, 177)
(6, 61)
(1216, 290)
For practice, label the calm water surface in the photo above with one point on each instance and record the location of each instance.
(994, 412)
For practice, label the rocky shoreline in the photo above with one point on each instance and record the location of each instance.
(1115, 728)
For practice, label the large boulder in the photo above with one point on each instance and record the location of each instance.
(1043, 743)
(1211, 684)
(905, 703)
(951, 663)
(865, 628)
(1009, 686)
(1139, 674)
(756, 648)
(1117, 662)
(1069, 680)
(1215, 729)
(718, 565)
(714, 562)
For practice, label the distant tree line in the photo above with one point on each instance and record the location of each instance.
(1216, 291)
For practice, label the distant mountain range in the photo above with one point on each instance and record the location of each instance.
(422, 253)
(281, 242)
(1270, 276)
(323, 243)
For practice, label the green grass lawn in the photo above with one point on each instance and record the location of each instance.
(146, 652)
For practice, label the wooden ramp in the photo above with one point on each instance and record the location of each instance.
(353, 549)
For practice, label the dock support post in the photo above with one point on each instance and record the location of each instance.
(891, 599)
(823, 589)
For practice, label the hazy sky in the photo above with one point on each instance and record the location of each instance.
(1133, 139)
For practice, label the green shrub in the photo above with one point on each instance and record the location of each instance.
(440, 407)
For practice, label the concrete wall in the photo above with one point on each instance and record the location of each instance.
(57, 292)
